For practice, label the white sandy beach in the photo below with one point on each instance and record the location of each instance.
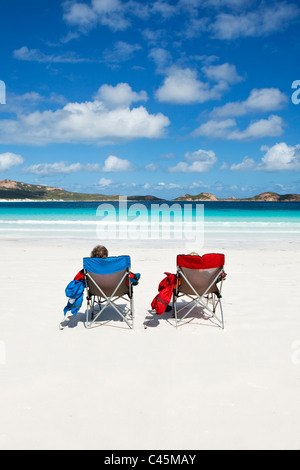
(196, 387)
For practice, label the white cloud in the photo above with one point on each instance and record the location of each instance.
(7, 160)
(198, 184)
(261, 22)
(28, 101)
(196, 162)
(280, 157)
(234, 4)
(168, 156)
(104, 182)
(190, 5)
(79, 14)
(245, 165)
(271, 127)
(120, 95)
(115, 164)
(152, 36)
(106, 6)
(35, 55)
(216, 129)
(165, 9)
(151, 167)
(105, 12)
(265, 99)
(88, 122)
(181, 86)
(161, 57)
(236, 18)
(259, 100)
(114, 14)
(227, 129)
(225, 72)
(120, 52)
(43, 169)
(162, 185)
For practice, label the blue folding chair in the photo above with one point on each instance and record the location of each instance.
(107, 281)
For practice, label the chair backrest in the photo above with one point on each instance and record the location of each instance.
(106, 273)
(200, 272)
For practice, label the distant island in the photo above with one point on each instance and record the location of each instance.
(267, 196)
(13, 190)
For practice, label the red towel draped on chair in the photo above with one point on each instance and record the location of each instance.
(165, 292)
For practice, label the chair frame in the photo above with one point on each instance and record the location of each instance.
(197, 299)
(108, 301)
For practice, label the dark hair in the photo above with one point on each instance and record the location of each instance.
(99, 252)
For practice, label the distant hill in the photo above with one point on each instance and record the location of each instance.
(267, 196)
(198, 197)
(275, 197)
(13, 190)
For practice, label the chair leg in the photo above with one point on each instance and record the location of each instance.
(92, 311)
(221, 308)
(88, 309)
(132, 310)
(216, 300)
(175, 309)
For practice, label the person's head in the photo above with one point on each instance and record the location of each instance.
(99, 252)
(193, 253)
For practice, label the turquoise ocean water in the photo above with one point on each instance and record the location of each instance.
(94, 219)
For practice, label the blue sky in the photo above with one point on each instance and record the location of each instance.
(151, 97)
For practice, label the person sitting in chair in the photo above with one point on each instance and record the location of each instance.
(99, 251)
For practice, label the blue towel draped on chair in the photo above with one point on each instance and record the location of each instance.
(75, 291)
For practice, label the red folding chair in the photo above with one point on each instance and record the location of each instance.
(200, 278)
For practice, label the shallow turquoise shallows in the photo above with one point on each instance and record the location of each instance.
(84, 217)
